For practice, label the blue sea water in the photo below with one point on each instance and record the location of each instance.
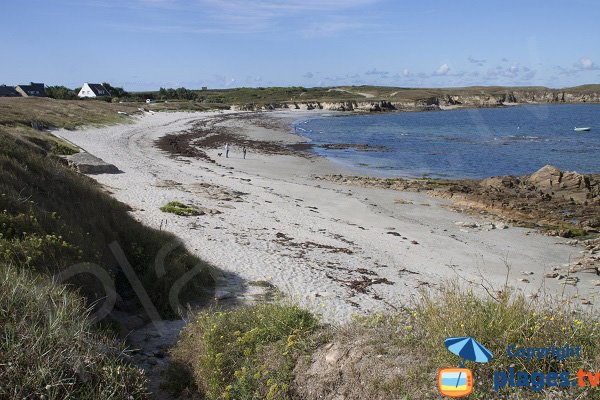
(465, 143)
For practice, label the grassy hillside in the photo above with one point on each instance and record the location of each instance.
(344, 93)
(50, 219)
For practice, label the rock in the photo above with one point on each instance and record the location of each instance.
(86, 163)
(467, 224)
(574, 181)
(546, 178)
(551, 275)
(332, 356)
(501, 225)
(500, 182)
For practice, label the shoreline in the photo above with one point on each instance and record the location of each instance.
(355, 155)
(334, 249)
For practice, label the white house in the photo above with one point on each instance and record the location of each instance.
(93, 90)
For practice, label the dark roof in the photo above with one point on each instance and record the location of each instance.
(99, 89)
(8, 91)
(33, 89)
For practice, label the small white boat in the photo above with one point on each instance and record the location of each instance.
(586, 129)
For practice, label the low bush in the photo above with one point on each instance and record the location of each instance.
(244, 353)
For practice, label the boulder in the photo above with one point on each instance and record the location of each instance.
(500, 182)
(86, 163)
(574, 181)
(547, 177)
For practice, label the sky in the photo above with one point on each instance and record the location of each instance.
(148, 44)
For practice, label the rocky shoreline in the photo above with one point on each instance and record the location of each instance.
(553, 202)
(436, 100)
(559, 203)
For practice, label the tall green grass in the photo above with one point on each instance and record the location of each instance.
(50, 350)
(244, 353)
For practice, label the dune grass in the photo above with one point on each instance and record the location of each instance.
(497, 322)
(68, 114)
(49, 348)
(50, 219)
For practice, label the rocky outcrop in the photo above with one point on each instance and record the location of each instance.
(565, 203)
(86, 163)
(571, 186)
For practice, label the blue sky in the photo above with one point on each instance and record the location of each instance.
(146, 44)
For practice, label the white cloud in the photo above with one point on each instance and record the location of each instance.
(406, 72)
(586, 63)
(443, 70)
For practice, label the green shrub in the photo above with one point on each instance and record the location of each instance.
(245, 353)
(177, 208)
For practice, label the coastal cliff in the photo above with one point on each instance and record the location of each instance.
(438, 99)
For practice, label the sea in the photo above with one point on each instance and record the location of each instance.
(463, 143)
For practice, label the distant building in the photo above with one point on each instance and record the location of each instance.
(31, 90)
(8, 91)
(93, 90)
(204, 88)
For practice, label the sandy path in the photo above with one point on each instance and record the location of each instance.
(337, 250)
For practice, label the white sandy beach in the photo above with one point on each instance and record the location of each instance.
(337, 250)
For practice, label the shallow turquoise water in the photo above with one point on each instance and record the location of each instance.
(468, 143)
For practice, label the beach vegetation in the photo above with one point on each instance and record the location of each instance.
(244, 353)
(177, 208)
(232, 354)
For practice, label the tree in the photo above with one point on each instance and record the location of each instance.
(115, 91)
(61, 92)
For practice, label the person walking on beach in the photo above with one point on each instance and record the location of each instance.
(226, 150)
(244, 151)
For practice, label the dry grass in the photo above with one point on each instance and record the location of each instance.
(68, 114)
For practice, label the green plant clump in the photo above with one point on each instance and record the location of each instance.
(177, 208)
(245, 353)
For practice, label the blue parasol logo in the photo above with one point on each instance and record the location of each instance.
(458, 382)
(468, 348)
